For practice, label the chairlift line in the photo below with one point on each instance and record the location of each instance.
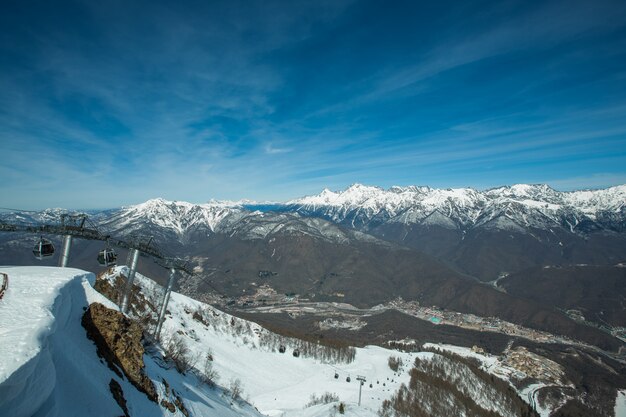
(73, 225)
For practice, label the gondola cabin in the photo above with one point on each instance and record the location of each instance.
(282, 349)
(296, 353)
(107, 257)
(43, 249)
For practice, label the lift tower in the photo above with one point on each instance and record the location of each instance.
(361, 380)
(73, 225)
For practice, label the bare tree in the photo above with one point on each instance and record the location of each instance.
(209, 375)
(236, 389)
(177, 351)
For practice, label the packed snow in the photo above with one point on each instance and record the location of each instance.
(279, 384)
(49, 368)
(26, 313)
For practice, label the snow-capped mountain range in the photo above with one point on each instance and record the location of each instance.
(516, 207)
(525, 205)
(184, 221)
(366, 207)
(482, 233)
(177, 216)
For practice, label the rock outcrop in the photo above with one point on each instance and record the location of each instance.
(118, 340)
(118, 395)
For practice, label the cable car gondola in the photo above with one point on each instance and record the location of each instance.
(107, 257)
(43, 249)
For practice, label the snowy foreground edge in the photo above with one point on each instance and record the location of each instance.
(49, 368)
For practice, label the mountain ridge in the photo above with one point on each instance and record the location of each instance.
(360, 205)
(365, 207)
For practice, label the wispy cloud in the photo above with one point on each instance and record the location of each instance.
(272, 150)
(600, 180)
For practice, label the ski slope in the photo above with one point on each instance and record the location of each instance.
(49, 368)
(279, 384)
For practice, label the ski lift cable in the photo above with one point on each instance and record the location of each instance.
(74, 224)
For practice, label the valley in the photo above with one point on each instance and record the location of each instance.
(345, 317)
(527, 280)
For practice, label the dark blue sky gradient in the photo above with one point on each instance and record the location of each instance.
(109, 104)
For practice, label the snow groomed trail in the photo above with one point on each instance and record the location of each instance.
(279, 384)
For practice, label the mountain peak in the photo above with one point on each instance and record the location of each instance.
(536, 204)
(362, 187)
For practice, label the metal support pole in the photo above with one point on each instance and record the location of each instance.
(65, 254)
(166, 299)
(361, 380)
(360, 386)
(130, 279)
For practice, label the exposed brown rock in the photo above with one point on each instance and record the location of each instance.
(168, 405)
(179, 404)
(167, 386)
(110, 291)
(118, 395)
(118, 340)
(140, 307)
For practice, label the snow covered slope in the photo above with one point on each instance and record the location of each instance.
(180, 222)
(281, 384)
(177, 217)
(278, 384)
(49, 368)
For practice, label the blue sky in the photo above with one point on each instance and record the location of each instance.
(104, 104)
